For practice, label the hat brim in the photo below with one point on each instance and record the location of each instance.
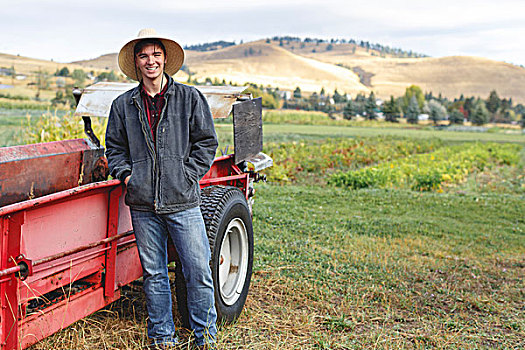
(174, 57)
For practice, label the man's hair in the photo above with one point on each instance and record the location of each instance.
(140, 45)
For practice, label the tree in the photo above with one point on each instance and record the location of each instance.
(390, 110)
(435, 110)
(469, 106)
(64, 72)
(370, 106)
(360, 101)
(349, 110)
(338, 98)
(59, 98)
(111, 76)
(314, 101)
(456, 117)
(493, 102)
(412, 113)
(480, 115)
(297, 92)
(79, 76)
(413, 90)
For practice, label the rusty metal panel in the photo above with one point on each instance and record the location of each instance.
(32, 171)
(247, 129)
(97, 98)
(221, 98)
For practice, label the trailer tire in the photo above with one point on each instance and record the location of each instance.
(230, 233)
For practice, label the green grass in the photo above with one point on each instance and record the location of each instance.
(391, 269)
(275, 133)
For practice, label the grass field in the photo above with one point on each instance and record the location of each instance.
(373, 268)
(369, 269)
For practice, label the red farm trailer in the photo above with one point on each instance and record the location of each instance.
(66, 241)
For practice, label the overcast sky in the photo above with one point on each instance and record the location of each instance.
(67, 30)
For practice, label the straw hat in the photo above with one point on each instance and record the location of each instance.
(174, 54)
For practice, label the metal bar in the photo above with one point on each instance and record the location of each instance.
(223, 179)
(77, 191)
(15, 269)
(10, 312)
(88, 130)
(10, 270)
(80, 249)
(77, 260)
(111, 255)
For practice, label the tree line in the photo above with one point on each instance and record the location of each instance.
(412, 106)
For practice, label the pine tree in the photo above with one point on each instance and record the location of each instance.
(370, 107)
(337, 97)
(349, 110)
(480, 115)
(297, 92)
(391, 110)
(412, 113)
(493, 102)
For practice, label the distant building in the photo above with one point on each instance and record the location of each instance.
(285, 95)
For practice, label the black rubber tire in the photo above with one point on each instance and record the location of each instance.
(220, 205)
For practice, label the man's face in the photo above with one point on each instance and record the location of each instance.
(150, 61)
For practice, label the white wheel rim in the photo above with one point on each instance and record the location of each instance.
(233, 261)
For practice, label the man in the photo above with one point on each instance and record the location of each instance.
(160, 141)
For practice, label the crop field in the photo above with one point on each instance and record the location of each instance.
(369, 237)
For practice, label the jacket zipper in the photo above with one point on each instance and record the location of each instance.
(157, 142)
(148, 142)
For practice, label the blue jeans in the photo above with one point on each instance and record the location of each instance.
(188, 233)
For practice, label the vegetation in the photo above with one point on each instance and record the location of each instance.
(52, 127)
(410, 106)
(430, 172)
(210, 46)
(388, 268)
(379, 49)
(395, 267)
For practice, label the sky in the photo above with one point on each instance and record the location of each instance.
(69, 30)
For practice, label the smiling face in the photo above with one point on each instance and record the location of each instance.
(150, 61)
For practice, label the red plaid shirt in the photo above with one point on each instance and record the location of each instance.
(153, 106)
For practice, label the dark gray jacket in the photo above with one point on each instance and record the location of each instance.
(165, 178)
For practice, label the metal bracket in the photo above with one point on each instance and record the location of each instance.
(26, 267)
(89, 131)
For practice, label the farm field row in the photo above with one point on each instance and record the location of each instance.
(11, 121)
(449, 165)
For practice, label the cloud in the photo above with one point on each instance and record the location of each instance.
(68, 30)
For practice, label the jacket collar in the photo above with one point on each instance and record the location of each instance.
(135, 93)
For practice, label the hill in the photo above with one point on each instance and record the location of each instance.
(349, 67)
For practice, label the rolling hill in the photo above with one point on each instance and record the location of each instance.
(346, 67)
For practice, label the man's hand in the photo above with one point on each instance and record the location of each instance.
(126, 180)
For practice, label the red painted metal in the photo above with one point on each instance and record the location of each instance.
(225, 172)
(111, 255)
(78, 236)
